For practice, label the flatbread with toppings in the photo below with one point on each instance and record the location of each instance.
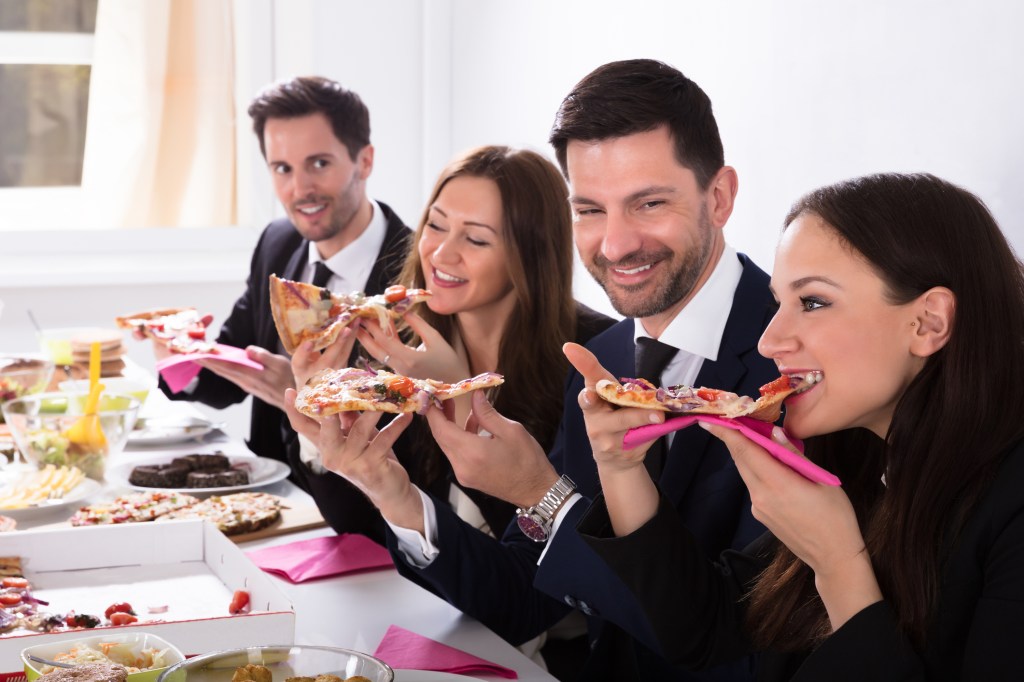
(303, 311)
(689, 400)
(341, 390)
(132, 508)
(182, 330)
(233, 514)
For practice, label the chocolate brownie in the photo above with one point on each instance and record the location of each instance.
(216, 479)
(159, 476)
(214, 462)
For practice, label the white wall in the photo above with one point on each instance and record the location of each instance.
(805, 93)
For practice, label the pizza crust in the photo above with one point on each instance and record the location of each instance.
(304, 312)
(331, 391)
(686, 400)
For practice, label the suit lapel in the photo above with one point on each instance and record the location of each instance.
(739, 341)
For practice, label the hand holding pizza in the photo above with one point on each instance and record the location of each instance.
(630, 494)
(434, 358)
(817, 522)
(353, 448)
(493, 454)
(306, 361)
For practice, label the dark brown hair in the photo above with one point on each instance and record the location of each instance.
(537, 230)
(952, 426)
(305, 95)
(635, 96)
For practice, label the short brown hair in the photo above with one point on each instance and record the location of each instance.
(305, 95)
(635, 96)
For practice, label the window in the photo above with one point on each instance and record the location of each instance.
(45, 57)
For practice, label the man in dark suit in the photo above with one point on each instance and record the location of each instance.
(315, 137)
(651, 194)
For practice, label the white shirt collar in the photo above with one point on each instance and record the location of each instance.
(352, 265)
(700, 325)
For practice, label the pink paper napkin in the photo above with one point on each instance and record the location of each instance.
(179, 369)
(322, 557)
(756, 430)
(403, 648)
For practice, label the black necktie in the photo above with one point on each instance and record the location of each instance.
(321, 274)
(652, 356)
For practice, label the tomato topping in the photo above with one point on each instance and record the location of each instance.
(9, 598)
(121, 618)
(239, 602)
(777, 386)
(197, 332)
(11, 581)
(119, 607)
(395, 293)
(81, 620)
(403, 386)
(709, 394)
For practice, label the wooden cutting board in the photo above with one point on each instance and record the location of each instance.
(293, 519)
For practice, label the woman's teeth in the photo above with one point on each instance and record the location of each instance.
(806, 381)
(446, 277)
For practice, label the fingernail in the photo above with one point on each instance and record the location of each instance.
(654, 418)
(704, 425)
(779, 435)
(584, 398)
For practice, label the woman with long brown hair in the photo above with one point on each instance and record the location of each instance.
(901, 295)
(494, 245)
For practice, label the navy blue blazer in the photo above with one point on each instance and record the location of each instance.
(281, 250)
(499, 582)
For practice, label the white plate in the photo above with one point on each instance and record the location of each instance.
(81, 491)
(431, 676)
(169, 430)
(262, 471)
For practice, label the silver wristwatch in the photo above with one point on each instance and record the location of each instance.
(536, 521)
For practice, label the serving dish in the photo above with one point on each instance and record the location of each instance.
(283, 662)
(263, 471)
(156, 431)
(125, 646)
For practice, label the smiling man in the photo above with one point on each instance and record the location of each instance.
(315, 137)
(651, 195)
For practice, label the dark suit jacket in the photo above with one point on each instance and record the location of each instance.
(347, 510)
(281, 250)
(689, 609)
(500, 584)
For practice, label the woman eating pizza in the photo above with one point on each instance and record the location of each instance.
(901, 291)
(494, 246)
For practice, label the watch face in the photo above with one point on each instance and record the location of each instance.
(531, 528)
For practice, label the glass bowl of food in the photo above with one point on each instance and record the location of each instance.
(49, 428)
(143, 655)
(278, 663)
(22, 375)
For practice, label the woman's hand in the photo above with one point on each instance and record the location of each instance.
(817, 522)
(434, 359)
(630, 494)
(306, 362)
(351, 446)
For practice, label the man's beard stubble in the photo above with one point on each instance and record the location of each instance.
(676, 285)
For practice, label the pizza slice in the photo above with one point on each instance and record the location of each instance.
(233, 514)
(132, 508)
(341, 390)
(182, 330)
(686, 399)
(304, 311)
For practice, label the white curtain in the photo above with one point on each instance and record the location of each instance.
(160, 142)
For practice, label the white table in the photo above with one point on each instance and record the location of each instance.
(349, 611)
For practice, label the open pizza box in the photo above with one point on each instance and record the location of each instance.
(187, 566)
